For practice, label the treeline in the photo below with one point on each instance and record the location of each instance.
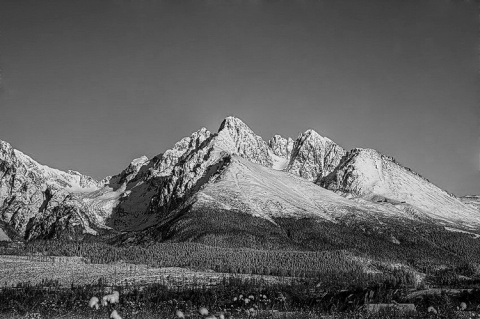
(334, 269)
(199, 256)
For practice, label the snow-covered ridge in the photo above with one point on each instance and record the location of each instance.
(365, 173)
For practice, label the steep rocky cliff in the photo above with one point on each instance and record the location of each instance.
(314, 156)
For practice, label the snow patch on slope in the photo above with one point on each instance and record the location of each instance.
(462, 231)
(268, 193)
(278, 163)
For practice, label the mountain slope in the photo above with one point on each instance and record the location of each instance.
(367, 174)
(245, 204)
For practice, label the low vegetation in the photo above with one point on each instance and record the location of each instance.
(334, 272)
(233, 299)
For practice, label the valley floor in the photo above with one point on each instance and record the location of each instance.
(65, 271)
(41, 287)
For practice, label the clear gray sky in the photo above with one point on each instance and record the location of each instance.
(89, 85)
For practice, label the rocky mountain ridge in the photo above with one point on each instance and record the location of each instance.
(231, 171)
(29, 189)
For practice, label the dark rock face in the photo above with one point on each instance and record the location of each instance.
(64, 217)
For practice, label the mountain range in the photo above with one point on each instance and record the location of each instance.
(232, 188)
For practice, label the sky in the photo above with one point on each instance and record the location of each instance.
(90, 85)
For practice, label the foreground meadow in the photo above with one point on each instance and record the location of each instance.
(61, 288)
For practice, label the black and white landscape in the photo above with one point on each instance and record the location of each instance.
(365, 214)
(212, 159)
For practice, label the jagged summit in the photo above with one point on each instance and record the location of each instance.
(232, 122)
(170, 157)
(314, 156)
(314, 134)
(236, 138)
(234, 170)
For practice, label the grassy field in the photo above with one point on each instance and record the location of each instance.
(41, 287)
(67, 270)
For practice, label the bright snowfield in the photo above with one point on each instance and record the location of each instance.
(268, 193)
(236, 169)
(278, 163)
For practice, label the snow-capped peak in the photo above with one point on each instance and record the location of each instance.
(236, 138)
(314, 156)
(232, 122)
(311, 136)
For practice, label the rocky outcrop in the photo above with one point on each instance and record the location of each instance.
(63, 217)
(164, 164)
(281, 146)
(314, 156)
